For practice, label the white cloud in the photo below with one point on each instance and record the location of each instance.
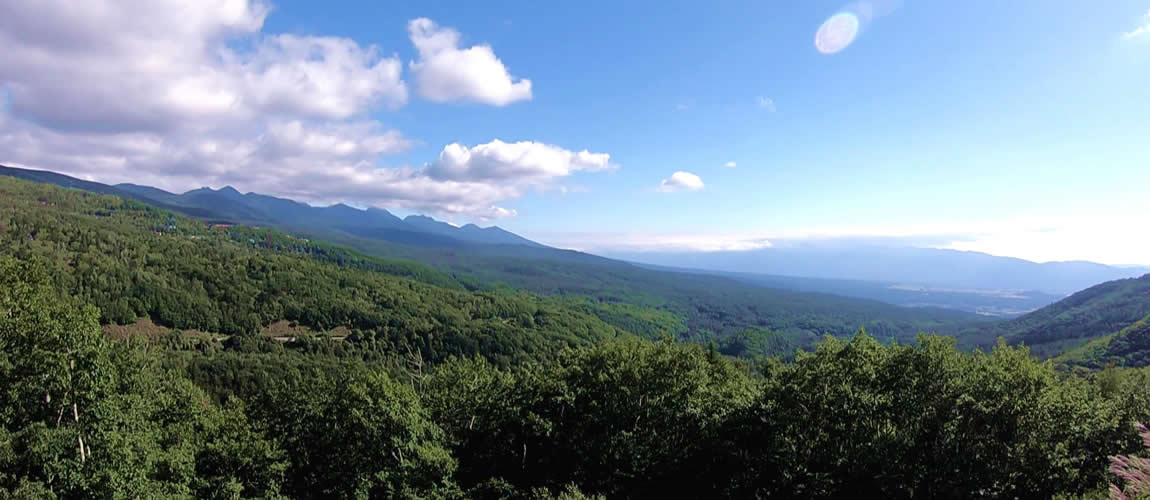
(730, 164)
(680, 181)
(181, 95)
(765, 103)
(313, 163)
(523, 162)
(326, 77)
(445, 72)
(162, 65)
(1141, 31)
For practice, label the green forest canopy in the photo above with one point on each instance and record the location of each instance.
(440, 392)
(132, 260)
(621, 418)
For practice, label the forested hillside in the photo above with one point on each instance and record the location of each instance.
(1129, 347)
(131, 260)
(1092, 313)
(444, 386)
(83, 416)
(229, 205)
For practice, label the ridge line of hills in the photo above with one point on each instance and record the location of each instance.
(743, 319)
(228, 205)
(770, 317)
(817, 269)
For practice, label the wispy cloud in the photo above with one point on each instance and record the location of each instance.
(1141, 31)
(766, 103)
(730, 164)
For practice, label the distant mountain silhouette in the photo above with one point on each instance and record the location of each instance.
(948, 268)
(846, 260)
(229, 205)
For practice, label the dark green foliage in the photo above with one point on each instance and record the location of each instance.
(130, 260)
(643, 420)
(626, 419)
(139, 261)
(754, 342)
(1129, 347)
(1095, 312)
(356, 435)
(432, 391)
(622, 419)
(81, 417)
(722, 306)
(925, 422)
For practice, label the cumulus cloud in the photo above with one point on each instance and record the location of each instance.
(766, 103)
(180, 95)
(524, 162)
(161, 65)
(730, 164)
(445, 72)
(318, 164)
(680, 181)
(1141, 31)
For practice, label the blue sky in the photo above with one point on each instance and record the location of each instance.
(1018, 128)
(939, 112)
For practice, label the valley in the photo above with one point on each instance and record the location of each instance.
(279, 250)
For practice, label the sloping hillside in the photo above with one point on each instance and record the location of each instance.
(132, 260)
(1129, 347)
(1092, 313)
(229, 205)
(645, 302)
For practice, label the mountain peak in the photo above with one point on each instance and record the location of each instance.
(342, 207)
(226, 191)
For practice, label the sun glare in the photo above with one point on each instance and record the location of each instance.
(837, 33)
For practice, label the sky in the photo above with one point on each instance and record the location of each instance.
(1016, 128)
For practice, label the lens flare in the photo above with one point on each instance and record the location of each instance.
(837, 33)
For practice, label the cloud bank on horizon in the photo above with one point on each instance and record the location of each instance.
(155, 92)
(1037, 239)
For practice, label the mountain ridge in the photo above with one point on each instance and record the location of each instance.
(869, 262)
(1086, 315)
(227, 204)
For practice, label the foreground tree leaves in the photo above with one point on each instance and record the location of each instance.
(356, 435)
(627, 418)
(616, 419)
(145, 433)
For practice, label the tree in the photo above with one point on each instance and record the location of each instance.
(356, 434)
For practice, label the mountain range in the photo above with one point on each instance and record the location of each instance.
(916, 277)
(844, 259)
(228, 205)
(1100, 324)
